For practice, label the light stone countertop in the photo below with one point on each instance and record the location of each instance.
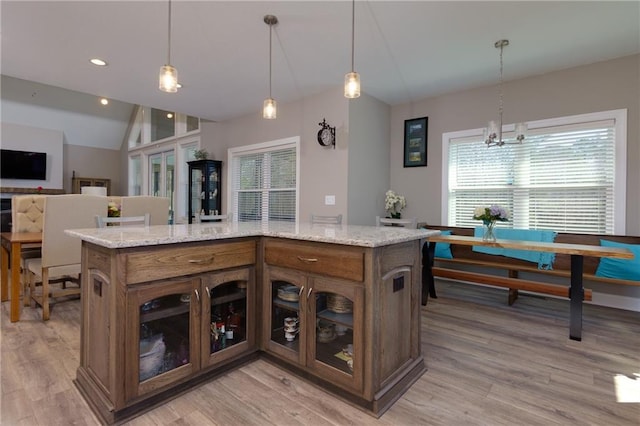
(116, 237)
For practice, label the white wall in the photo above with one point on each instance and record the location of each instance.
(368, 178)
(323, 170)
(27, 138)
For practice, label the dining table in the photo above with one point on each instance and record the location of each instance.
(11, 248)
(577, 252)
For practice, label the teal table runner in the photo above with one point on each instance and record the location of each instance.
(543, 259)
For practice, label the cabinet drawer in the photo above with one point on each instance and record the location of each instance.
(323, 259)
(177, 260)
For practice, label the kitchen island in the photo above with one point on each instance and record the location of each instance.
(165, 308)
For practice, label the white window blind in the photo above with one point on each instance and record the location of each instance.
(264, 184)
(563, 177)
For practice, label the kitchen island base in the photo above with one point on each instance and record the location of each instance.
(342, 312)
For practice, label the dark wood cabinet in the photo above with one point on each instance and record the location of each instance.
(205, 188)
(153, 317)
(158, 319)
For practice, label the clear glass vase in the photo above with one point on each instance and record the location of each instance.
(489, 231)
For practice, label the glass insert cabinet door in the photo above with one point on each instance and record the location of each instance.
(166, 337)
(317, 322)
(227, 318)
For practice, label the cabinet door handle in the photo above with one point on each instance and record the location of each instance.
(307, 259)
(201, 261)
(300, 292)
(208, 291)
(310, 290)
(197, 294)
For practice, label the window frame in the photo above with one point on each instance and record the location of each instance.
(620, 163)
(258, 148)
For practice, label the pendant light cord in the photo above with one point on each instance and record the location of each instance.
(500, 101)
(270, 44)
(169, 37)
(353, 32)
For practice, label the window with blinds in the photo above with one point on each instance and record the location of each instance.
(565, 176)
(264, 182)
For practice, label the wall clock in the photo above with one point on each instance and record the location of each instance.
(327, 134)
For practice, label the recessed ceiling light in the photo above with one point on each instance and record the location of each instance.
(99, 62)
(104, 101)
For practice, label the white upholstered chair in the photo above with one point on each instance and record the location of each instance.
(326, 219)
(139, 205)
(26, 216)
(407, 223)
(103, 221)
(60, 259)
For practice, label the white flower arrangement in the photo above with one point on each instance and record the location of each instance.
(394, 203)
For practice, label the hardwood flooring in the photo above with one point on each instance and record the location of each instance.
(488, 364)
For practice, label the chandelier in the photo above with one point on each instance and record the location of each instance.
(493, 132)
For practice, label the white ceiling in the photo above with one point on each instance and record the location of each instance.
(404, 51)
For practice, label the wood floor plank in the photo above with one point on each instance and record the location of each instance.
(488, 364)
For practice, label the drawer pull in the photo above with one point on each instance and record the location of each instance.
(201, 261)
(307, 259)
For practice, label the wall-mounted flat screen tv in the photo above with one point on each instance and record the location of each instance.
(23, 165)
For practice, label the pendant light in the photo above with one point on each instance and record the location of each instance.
(352, 79)
(168, 74)
(493, 132)
(269, 109)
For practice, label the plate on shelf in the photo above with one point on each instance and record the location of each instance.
(290, 293)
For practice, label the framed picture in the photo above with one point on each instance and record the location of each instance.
(415, 142)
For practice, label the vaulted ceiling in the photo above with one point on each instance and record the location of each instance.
(404, 51)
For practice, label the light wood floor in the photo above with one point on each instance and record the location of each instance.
(488, 364)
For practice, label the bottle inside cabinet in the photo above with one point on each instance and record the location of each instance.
(228, 322)
(164, 335)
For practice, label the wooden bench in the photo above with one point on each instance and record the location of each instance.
(463, 255)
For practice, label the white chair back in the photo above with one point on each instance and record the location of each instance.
(139, 205)
(72, 211)
(103, 221)
(406, 223)
(327, 219)
(27, 213)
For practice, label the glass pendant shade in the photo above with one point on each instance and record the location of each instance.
(352, 85)
(269, 110)
(168, 79)
(491, 132)
(521, 131)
